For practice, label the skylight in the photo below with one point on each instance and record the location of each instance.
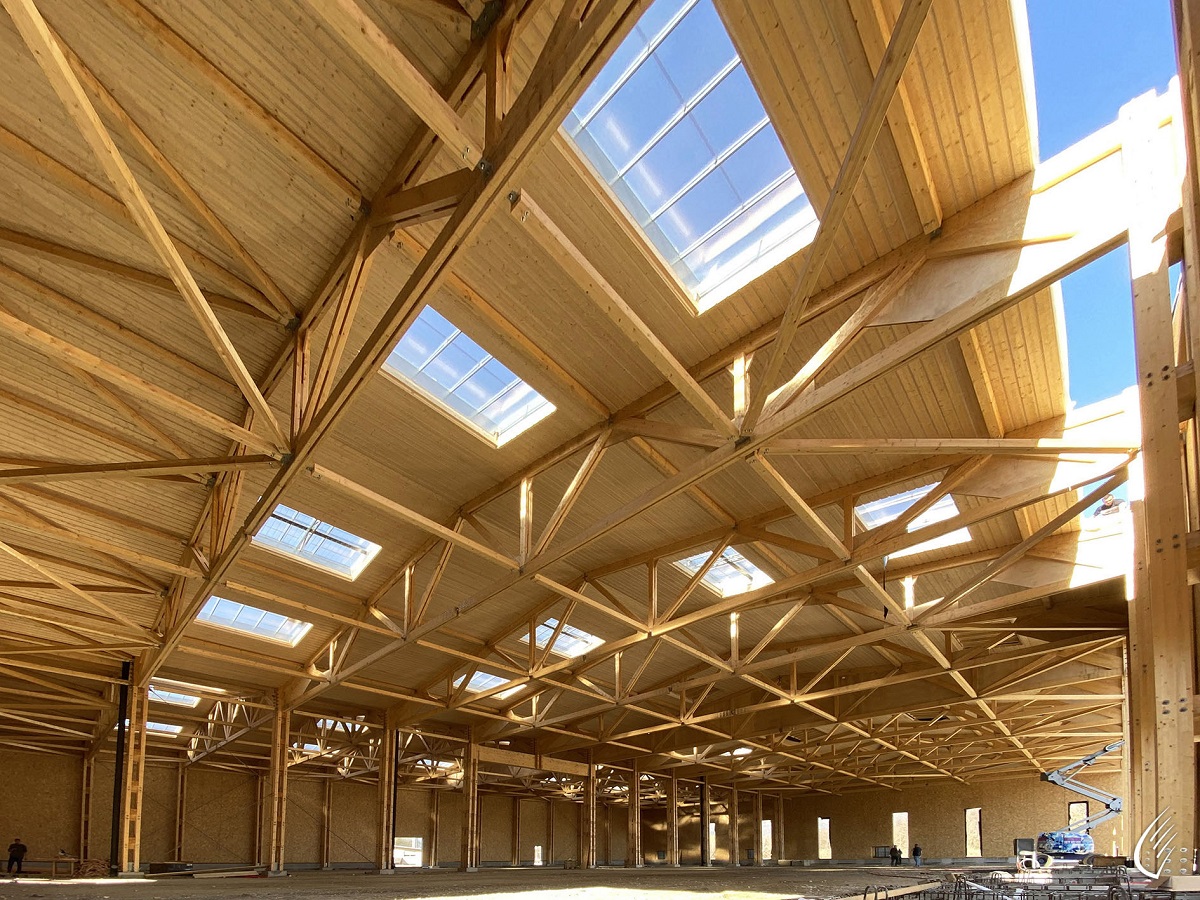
(675, 128)
(253, 621)
(175, 698)
(484, 681)
(316, 543)
(164, 728)
(880, 512)
(731, 574)
(571, 641)
(446, 366)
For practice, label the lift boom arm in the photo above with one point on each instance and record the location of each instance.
(1065, 777)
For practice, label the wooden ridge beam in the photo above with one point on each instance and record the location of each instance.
(949, 446)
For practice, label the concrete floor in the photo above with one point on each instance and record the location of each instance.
(746, 883)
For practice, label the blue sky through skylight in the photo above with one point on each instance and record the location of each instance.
(571, 641)
(674, 126)
(437, 358)
(880, 512)
(1090, 57)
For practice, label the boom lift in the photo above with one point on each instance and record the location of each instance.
(1076, 840)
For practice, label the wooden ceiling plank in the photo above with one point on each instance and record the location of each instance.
(573, 491)
(349, 21)
(36, 34)
(887, 78)
(876, 298)
(90, 599)
(874, 28)
(31, 245)
(1017, 552)
(805, 513)
(534, 220)
(278, 300)
(152, 393)
(104, 203)
(328, 476)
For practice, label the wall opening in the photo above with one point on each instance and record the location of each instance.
(712, 841)
(767, 842)
(900, 831)
(1077, 811)
(408, 851)
(975, 831)
(824, 847)
(537, 854)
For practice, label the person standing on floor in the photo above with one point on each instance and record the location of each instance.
(16, 855)
(917, 855)
(895, 855)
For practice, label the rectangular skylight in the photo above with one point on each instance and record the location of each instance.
(571, 641)
(175, 698)
(675, 128)
(315, 543)
(731, 574)
(163, 728)
(253, 621)
(442, 363)
(880, 512)
(484, 681)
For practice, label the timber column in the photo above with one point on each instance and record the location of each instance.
(1164, 615)
(633, 837)
(385, 805)
(280, 735)
(705, 846)
(470, 813)
(735, 837)
(588, 831)
(134, 771)
(759, 859)
(673, 820)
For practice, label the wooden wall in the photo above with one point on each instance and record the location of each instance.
(936, 817)
(220, 818)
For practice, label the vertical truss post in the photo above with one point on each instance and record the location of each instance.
(1162, 548)
(135, 766)
(633, 836)
(278, 776)
(180, 808)
(673, 820)
(758, 828)
(470, 814)
(385, 827)
(85, 808)
(735, 836)
(588, 831)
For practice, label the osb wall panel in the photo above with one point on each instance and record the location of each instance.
(100, 822)
(305, 821)
(937, 818)
(41, 802)
(412, 813)
(495, 816)
(566, 830)
(450, 809)
(612, 822)
(353, 824)
(534, 817)
(160, 812)
(689, 837)
(220, 816)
